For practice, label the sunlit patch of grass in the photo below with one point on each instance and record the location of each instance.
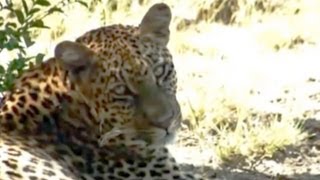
(225, 119)
(254, 139)
(237, 131)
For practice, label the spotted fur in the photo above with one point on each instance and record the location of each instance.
(102, 108)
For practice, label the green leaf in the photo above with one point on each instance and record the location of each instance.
(39, 58)
(12, 32)
(1, 21)
(21, 64)
(25, 7)
(34, 10)
(82, 3)
(19, 15)
(17, 64)
(12, 44)
(11, 24)
(38, 24)
(3, 36)
(55, 9)
(2, 70)
(8, 82)
(42, 2)
(3, 40)
(27, 39)
(2, 88)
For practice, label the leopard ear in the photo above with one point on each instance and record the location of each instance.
(154, 26)
(77, 59)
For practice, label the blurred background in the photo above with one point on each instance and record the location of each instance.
(248, 72)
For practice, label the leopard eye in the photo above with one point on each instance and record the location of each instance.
(158, 71)
(120, 89)
(121, 94)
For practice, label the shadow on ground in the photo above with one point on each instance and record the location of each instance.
(238, 174)
(299, 162)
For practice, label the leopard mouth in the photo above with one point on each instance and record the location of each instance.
(140, 137)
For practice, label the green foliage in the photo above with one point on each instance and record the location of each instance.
(16, 33)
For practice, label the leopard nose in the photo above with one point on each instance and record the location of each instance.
(166, 116)
(156, 106)
(163, 120)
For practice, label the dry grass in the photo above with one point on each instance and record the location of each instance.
(242, 66)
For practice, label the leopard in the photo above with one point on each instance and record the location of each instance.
(102, 108)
